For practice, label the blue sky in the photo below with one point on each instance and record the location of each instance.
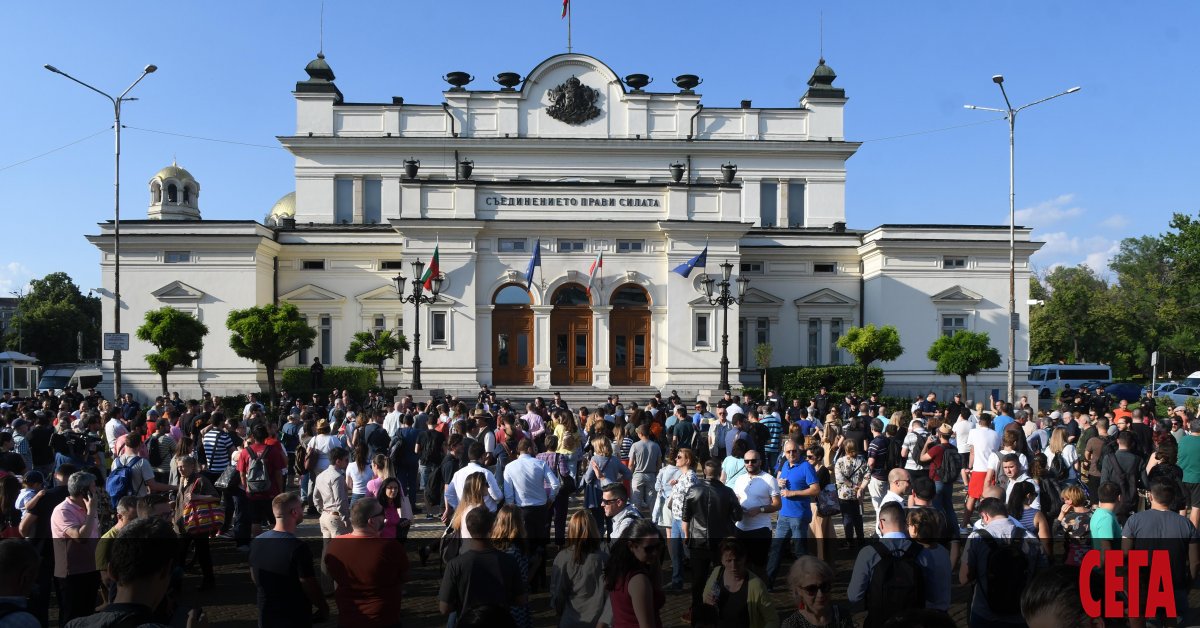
(1111, 161)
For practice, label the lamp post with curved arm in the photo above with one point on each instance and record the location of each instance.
(418, 297)
(718, 293)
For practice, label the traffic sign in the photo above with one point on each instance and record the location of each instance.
(116, 342)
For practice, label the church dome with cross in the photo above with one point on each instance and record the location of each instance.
(174, 195)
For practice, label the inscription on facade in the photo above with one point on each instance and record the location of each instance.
(570, 201)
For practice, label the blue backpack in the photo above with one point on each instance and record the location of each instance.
(120, 481)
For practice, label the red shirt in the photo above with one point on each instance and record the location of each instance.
(370, 573)
(275, 461)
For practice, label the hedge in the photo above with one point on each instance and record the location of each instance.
(806, 381)
(357, 379)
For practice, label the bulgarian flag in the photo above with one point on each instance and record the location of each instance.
(566, 7)
(433, 270)
(596, 269)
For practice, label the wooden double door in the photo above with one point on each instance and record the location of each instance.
(630, 346)
(512, 346)
(571, 346)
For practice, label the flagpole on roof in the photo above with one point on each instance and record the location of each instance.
(568, 25)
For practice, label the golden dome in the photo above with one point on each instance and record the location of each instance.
(285, 207)
(173, 171)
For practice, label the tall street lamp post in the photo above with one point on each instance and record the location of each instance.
(417, 297)
(116, 103)
(717, 293)
(1010, 114)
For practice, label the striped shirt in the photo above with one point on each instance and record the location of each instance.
(217, 447)
(775, 431)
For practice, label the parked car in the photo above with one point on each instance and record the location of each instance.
(1165, 387)
(1180, 396)
(1124, 391)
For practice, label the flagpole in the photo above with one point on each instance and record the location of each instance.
(568, 26)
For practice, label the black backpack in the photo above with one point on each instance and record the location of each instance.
(1059, 471)
(897, 583)
(156, 458)
(952, 465)
(377, 439)
(1127, 479)
(894, 459)
(1007, 572)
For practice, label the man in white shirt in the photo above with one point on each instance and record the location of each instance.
(391, 422)
(114, 429)
(962, 433)
(982, 443)
(911, 448)
(758, 493)
(899, 483)
(525, 482)
(454, 488)
(1016, 475)
(250, 405)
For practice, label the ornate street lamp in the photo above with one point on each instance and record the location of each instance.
(418, 297)
(724, 299)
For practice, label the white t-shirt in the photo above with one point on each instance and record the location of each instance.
(359, 478)
(113, 430)
(1037, 502)
(391, 423)
(913, 443)
(1070, 456)
(983, 443)
(962, 431)
(754, 491)
(141, 473)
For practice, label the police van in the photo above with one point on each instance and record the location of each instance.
(1050, 379)
(57, 377)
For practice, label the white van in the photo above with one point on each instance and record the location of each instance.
(1192, 380)
(57, 377)
(1050, 379)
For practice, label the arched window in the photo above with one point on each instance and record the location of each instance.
(187, 195)
(512, 294)
(571, 294)
(631, 295)
(156, 192)
(172, 193)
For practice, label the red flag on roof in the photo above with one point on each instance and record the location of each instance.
(566, 7)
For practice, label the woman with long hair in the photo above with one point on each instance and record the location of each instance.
(672, 484)
(831, 440)
(821, 526)
(732, 466)
(397, 510)
(1075, 520)
(811, 584)
(475, 489)
(849, 474)
(603, 469)
(508, 536)
(380, 471)
(1060, 448)
(740, 597)
(631, 577)
(194, 484)
(565, 469)
(10, 515)
(925, 526)
(184, 448)
(1020, 508)
(359, 472)
(577, 577)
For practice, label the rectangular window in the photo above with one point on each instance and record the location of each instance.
(751, 268)
(302, 354)
(954, 262)
(743, 342)
(326, 339)
(631, 246)
(835, 332)
(826, 268)
(512, 245)
(177, 257)
(373, 201)
(701, 325)
(437, 324)
(393, 264)
(953, 323)
(380, 324)
(814, 340)
(762, 331)
(343, 201)
(795, 205)
(313, 264)
(570, 246)
(768, 205)
(399, 332)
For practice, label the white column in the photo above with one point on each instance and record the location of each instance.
(602, 336)
(542, 346)
(483, 343)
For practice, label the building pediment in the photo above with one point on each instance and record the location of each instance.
(756, 297)
(825, 298)
(178, 291)
(309, 293)
(956, 295)
(381, 295)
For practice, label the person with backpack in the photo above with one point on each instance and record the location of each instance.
(1062, 458)
(945, 465)
(1000, 560)
(1123, 468)
(877, 462)
(914, 443)
(982, 443)
(894, 573)
(132, 474)
(402, 450)
(261, 468)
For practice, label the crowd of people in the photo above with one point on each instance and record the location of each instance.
(608, 509)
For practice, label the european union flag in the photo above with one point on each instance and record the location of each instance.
(700, 260)
(534, 262)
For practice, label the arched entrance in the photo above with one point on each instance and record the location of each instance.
(571, 337)
(512, 337)
(630, 326)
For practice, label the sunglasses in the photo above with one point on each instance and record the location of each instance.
(750, 460)
(813, 589)
(651, 547)
(608, 502)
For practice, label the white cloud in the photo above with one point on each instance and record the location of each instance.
(13, 276)
(1115, 221)
(1066, 249)
(1049, 212)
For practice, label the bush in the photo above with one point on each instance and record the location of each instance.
(357, 379)
(232, 405)
(806, 381)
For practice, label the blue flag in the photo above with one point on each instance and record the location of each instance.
(700, 260)
(534, 262)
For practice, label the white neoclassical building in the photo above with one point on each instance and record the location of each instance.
(581, 163)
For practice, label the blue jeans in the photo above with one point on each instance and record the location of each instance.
(787, 527)
(677, 552)
(944, 499)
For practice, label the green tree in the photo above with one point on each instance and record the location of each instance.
(871, 343)
(177, 335)
(762, 357)
(53, 318)
(375, 348)
(963, 354)
(269, 334)
(1068, 326)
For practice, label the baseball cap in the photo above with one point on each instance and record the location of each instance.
(1056, 415)
(34, 477)
(18, 422)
